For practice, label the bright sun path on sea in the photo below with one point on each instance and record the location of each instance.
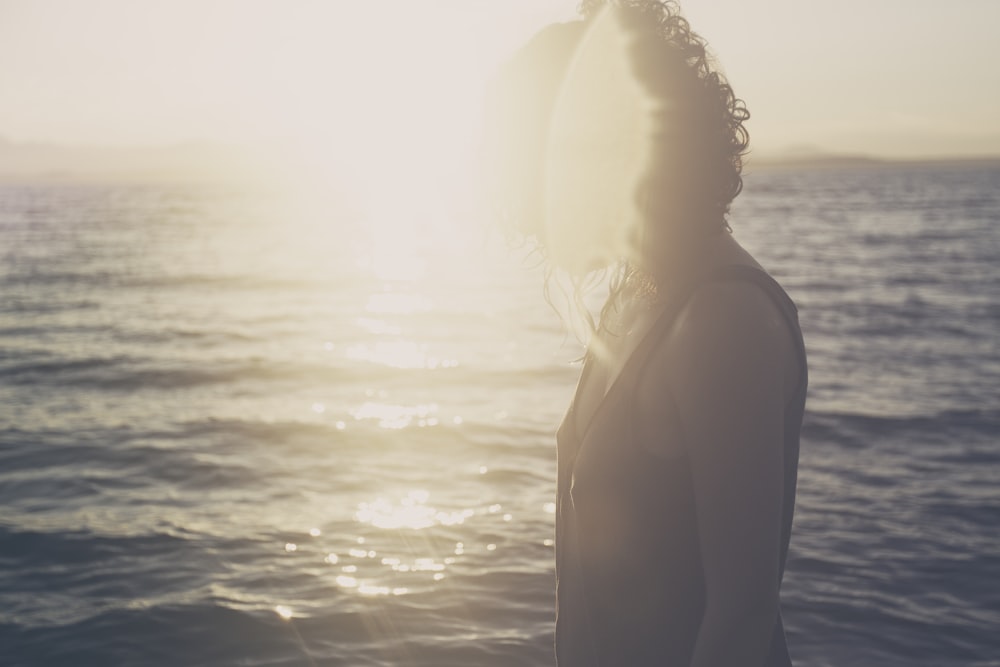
(377, 128)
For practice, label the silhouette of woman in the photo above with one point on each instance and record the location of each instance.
(617, 145)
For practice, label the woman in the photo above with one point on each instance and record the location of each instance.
(678, 455)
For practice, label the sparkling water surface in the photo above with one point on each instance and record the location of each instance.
(235, 430)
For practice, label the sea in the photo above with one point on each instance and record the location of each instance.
(240, 429)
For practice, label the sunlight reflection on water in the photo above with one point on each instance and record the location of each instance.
(311, 375)
(377, 327)
(394, 302)
(397, 416)
(411, 512)
(398, 354)
(406, 554)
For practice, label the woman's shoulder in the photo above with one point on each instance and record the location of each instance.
(729, 344)
(729, 330)
(736, 308)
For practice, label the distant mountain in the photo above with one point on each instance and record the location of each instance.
(190, 161)
(814, 159)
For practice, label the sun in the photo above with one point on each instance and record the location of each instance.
(388, 116)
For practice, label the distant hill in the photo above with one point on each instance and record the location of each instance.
(795, 160)
(184, 162)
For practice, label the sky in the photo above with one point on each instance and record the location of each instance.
(353, 82)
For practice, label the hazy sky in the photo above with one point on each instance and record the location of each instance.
(900, 78)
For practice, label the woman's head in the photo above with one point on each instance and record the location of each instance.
(614, 138)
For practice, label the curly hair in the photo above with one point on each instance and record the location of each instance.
(724, 140)
(697, 147)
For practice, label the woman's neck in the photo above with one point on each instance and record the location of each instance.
(688, 259)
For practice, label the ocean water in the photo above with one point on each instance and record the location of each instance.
(237, 430)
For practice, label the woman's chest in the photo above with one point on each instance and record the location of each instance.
(628, 441)
(618, 497)
(608, 357)
(623, 407)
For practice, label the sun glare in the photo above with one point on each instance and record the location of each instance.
(386, 110)
(596, 160)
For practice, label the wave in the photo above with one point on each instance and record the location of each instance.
(116, 280)
(39, 551)
(199, 634)
(130, 373)
(379, 633)
(819, 425)
(32, 306)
